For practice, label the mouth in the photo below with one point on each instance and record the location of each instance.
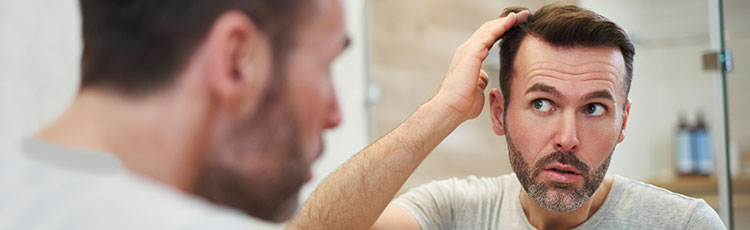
(562, 173)
(562, 168)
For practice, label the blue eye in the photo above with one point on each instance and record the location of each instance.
(542, 105)
(595, 109)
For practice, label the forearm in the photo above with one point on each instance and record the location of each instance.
(355, 195)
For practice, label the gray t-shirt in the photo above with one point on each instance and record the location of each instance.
(494, 203)
(47, 186)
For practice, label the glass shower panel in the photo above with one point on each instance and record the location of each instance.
(736, 15)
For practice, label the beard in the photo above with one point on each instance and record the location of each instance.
(560, 197)
(259, 170)
(259, 167)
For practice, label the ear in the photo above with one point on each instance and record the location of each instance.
(624, 120)
(497, 103)
(239, 69)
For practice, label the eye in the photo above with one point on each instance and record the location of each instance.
(595, 109)
(542, 105)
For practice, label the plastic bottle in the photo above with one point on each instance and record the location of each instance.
(683, 152)
(701, 147)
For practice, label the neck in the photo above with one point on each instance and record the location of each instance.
(542, 218)
(147, 134)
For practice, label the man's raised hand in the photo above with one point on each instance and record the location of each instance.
(462, 90)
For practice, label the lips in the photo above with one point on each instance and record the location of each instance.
(563, 169)
(562, 173)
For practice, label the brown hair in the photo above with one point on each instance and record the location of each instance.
(562, 26)
(136, 46)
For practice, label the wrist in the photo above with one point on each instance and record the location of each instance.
(427, 127)
(442, 113)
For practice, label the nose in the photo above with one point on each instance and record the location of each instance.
(567, 138)
(334, 116)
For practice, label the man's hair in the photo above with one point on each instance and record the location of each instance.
(562, 26)
(136, 46)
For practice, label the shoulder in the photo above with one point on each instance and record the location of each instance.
(456, 202)
(59, 197)
(468, 187)
(654, 206)
(11, 161)
(8, 151)
(151, 202)
(141, 203)
(640, 193)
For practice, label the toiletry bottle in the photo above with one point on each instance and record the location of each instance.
(701, 147)
(683, 153)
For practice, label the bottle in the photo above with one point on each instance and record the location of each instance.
(683, 152)
(701, 147)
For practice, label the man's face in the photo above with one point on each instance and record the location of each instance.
(564, 118)
(265, 159)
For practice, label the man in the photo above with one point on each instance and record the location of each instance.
(563, 106)
(182, 103)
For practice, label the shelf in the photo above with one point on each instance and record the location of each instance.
(706, 187)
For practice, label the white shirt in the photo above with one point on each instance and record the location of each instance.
(494, 203)
(47, 186)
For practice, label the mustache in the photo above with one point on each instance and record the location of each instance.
(562, 158)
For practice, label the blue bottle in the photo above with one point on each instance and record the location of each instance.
(701, 147)
(683, 148)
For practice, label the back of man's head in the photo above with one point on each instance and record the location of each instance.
(562, 26)
(136, 46)
(242, 149)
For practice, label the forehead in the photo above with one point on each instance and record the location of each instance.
(537, 60)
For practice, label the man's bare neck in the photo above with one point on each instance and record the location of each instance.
(136, 132)
(542, 218)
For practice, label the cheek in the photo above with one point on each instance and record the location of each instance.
(598, 138)
(529, 134)
(598, 130)
(310, 94)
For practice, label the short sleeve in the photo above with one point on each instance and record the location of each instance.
(704, 217)
(431, 204)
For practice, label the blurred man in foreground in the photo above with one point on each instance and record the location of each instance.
(188, 111)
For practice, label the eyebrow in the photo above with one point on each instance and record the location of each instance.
(600, 94)
(539, 87)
